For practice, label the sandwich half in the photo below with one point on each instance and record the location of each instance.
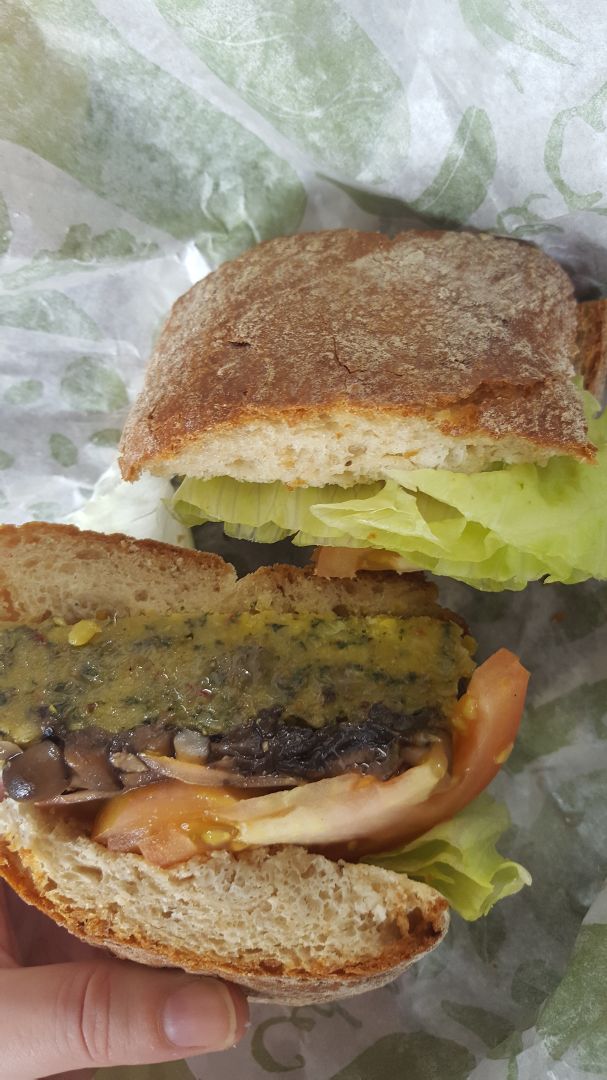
(195, 766)
(411, 403)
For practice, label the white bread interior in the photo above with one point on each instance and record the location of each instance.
(339, 448)
(282, 920)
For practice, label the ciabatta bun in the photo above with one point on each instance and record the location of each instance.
(285, 924)
(334, 357)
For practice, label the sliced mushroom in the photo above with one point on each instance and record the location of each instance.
(191, 746)
(153, 738)
(38, 773)
(85, 753)
(126, 762)
(70, 798)
(210, 776)
(8, 750)
(137, 779)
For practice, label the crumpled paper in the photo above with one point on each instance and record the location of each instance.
(143, 144)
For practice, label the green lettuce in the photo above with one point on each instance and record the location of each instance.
(494, 530)
(459, 859)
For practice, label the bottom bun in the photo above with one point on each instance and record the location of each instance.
(286, 925)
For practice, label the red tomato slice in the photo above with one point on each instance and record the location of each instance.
(169, 821)
(486, 723)
(344, 562)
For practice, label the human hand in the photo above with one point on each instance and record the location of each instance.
(66, 1006)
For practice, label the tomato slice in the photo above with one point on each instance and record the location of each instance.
(343, 562)
(349, 815)
(167, 822)
(485, 723)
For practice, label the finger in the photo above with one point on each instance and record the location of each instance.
(39, 940)
(74, 1016)
(9, 950)
(80, 1074)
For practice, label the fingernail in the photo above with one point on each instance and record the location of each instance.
(201, 1015)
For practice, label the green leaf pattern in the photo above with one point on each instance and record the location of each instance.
(126, 167)
(92, 386)
(418, 1056)
(168, 167)
(346, 108)
(459, 188)
(62, 450)
(24, 392)
(574, 1020)
(492, 20)
(48, 311)
(590, 113)
(464, 177)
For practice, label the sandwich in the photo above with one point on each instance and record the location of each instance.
(406, 404)
(276, 779)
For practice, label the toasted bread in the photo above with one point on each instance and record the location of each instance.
(591, 360)
(333, 357)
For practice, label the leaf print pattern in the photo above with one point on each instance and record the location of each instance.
(489, 1027)
(459, 187)
(530, 222)
(417, 1057)
(591, 113)
(167, 168)
(63, 450)
(5, 227)
(462, 181)
(574, 1020)
(48, 311)
(90, 385)
(490, 19)
(309, 68)
(24, 392)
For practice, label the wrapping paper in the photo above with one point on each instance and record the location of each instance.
(143, 143)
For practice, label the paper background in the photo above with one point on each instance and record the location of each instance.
(143, 143)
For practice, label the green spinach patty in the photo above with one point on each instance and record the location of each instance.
(260, 694)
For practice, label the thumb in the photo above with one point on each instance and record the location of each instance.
(65, 1017)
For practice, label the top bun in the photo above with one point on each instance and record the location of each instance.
(333, 357)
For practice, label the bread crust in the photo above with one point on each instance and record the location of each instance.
(591, 362)
(294, 987)
(52, 569)
(473, 333)
(57, 569)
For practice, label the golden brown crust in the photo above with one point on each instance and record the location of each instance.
(293, 987)
(33, 533)
(591, 361)
(52, 569)
(472, 332)
(61, 570)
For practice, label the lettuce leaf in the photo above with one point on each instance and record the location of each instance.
(260, 511)
(459, 859)
(494, 530)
